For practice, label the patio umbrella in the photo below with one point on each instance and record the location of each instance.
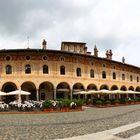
(104, 91)
(2, 93)
(19, 93)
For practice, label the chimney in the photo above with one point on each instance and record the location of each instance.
(123, 60)
(44, 44)
(107, 54)
(95, 51)
(85, 50)
(110, 54)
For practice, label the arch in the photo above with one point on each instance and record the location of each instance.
(78, 72)
(103, 74)
(104, 87)
(46, 90)
(8, 87)
(27, 69)
(78, 86)
(123, 88)
(91, 87)
(45, 69)
(114, 87)
(138, 88)
(62, 70)
(30, 87)
(131, 88)
(92, 73)
(8, 69)
(63, 90)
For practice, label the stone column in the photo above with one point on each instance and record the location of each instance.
(37, 94)
(134, 96)
(54, 94)
(70, 93)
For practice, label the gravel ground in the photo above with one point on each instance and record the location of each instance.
(60, 125)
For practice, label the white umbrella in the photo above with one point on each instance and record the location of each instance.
(118, 91)
(2, 93)
(132, 92)
(19, 93)
(16, 92)
(104, 91)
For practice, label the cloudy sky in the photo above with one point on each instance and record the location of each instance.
(110, 24)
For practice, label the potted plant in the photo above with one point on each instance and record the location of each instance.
(107, 103)
(64, 105)
(116, 102)
(47, 106)
(99, 103)
(79, 104)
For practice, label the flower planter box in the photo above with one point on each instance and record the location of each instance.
(79, 108)
(48, 110)
(64, 109)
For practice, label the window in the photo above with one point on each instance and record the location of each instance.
(114, 75)
(45, 58)
(104, 75)
(137, 79)
(81, 49)
(103, 65)
(45, 69)
(123, 76)
(78, 72)
(28, 57)
(131, 78)
(62, 58)
(92, 73)
(8, 58)
(8, 69)
(27, 69)
(62, 70)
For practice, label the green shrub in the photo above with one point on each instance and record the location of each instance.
(47, 104)
(107, 102)
(116, 101)
(99, 102)
(79, 102)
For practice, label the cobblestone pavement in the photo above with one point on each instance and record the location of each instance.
(61, 125)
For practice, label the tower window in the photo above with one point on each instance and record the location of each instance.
(123, 76)
(114, 75)
(104, 75)
(62, 70)
(78, 72)
(8, 69)
(45, 69)
(131, 78)
(27, 69)
(137, 79)
(92, 73)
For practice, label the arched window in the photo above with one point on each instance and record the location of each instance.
(62, 70)
(27, 69)
(104, 75)
(131, 78)
(123, 76)
(78, 72)
(137, 79)
(45, 69)
(114, 75)
(92, 73)
(8, 69)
